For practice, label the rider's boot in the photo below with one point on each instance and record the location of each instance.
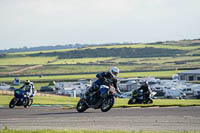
(87, 94)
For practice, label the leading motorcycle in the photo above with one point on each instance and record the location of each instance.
(21, 99)
(102, 99)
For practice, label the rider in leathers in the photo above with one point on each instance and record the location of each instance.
(28, 87)
(146, 90)
(105, 78)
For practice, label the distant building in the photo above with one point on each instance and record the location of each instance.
(192, 75)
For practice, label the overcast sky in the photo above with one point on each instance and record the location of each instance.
(58, 22)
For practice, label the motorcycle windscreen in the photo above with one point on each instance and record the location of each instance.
(19, 93)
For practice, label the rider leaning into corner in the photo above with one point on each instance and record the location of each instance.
(105, 78)
(28, 87)
(146, 90)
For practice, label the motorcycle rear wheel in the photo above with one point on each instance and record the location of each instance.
(12, 103)
(81, 106)
(130, 101)
(150, 101)
(107, 105)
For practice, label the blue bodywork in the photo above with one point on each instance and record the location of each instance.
(19, 93)
(103, 91)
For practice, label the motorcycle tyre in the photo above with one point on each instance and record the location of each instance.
(30, 102)
(130, 101)
(84, 106)
(150, 101)
(110, 105)
(12, 103)
(26, 103)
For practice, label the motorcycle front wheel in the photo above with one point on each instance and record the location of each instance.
(12, 103)
(81, 106)
(107, 104)
(30, 102)
(26, 102)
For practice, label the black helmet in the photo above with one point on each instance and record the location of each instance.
(144, 84)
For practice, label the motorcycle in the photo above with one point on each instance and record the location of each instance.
(139, 98)
(21, 99)
(102, 99)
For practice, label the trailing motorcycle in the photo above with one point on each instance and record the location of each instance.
(102, 99)
(139, 98)
(21, 99)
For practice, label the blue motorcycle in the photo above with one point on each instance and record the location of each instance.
(102, 99)
(20, 99)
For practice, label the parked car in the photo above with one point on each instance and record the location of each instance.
(46, 89)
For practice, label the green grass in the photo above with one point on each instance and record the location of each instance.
(156, 60)
(154, 63)
(81, 60)
(11, 68)
(89, 76)
(36, 85)
(194, 52)
(26, 60)
(165, 46)
(48, 60)
(49, 78)
(6, 130)
(36, 52)
(147, 74)
(44, 100)
(124, 64)
(120, 102)
(5, 99)
(123, 102)
(196, 82)
(75, 69)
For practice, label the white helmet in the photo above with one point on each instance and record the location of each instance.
(114, 71)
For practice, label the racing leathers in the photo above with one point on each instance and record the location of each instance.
(29, 89)
(146, 91)
(104, 78)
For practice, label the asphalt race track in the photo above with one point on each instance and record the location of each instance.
(130, 119)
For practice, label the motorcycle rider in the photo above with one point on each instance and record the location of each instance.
(28, 87)
(146, 90)
(105, 78)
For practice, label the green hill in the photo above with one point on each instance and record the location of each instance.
(160, 56)
(114, 52)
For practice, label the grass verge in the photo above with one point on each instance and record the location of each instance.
(166, 74)
(65, 101)
(36, 85)
(6, 130)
